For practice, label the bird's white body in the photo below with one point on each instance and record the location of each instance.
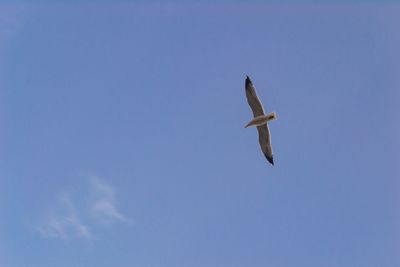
(261, 120)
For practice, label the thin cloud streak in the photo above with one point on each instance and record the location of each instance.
(103, 205)
(77, 217)
(66, 225)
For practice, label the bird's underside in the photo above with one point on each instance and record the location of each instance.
(260, 120)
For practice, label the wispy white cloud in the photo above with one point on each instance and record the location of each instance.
(78, 216)
(65, 224)
(103, 205)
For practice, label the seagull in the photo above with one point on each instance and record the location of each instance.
(260, 120)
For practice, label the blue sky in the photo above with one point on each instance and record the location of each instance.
(123, 142)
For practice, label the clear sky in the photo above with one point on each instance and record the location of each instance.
(122, 139)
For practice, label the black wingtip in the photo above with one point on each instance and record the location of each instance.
(270, 159)
(248, 81)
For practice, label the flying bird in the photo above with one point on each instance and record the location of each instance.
(260, 120)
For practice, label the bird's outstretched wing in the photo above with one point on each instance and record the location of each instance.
(264, 138)
(252, 98)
